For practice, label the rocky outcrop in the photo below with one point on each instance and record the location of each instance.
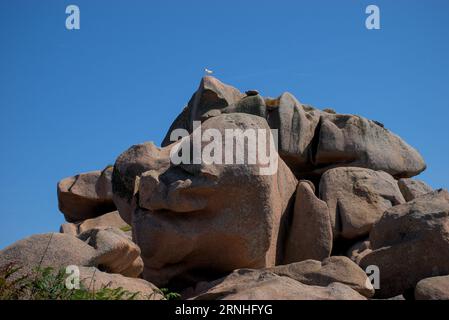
(115, 253)
(242, 228)
(435, 288)
(334, 269)
(310, 141)
(248, 284)
(191, 217)
(297, 125)
(107, 249)
(129, 166)
(111, 219)
(137, 289)
(48, 250)
(86, 195)
(358, 251)
(353, 141)
(357, 198)
(410, 243)
(310, 231)
(412, 189)
(212, 94)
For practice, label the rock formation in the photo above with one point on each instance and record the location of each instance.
(340, 204)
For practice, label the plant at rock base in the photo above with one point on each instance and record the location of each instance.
(11, 288)
(46, 284)
(168, 295)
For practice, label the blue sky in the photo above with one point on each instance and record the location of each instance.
(72, 101)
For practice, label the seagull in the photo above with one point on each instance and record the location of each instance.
(207, 71)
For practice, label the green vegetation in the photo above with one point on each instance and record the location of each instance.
(46, 284)
(168, 295)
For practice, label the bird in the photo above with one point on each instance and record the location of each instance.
(207, 71)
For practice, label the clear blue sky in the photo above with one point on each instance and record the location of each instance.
(72, 101)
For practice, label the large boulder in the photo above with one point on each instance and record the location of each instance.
(111, 219)
(411, 243)
(53, 250)
(412, 189)
(115, 252)
(310, 141)
(310, 232)
(435, 288)
(357, 198)
(254, 105)
(297, 124)
(212, 94)
(129, 166)
(246, 284)
(106, 249)
(94, 280)
(334, 269)
(353, 141)
(192, 217)
(86, 195)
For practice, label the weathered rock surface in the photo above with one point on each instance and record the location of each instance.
(353, 141)
(85, 196)
(246, 284)
(138, 289)
(310, 140)
(358, 251)
(103, 187)
(115, 253)
(357, 198)
(334, 269)
(203, 224)
(195, 217)
(254, 105)
(107, 249)
(48, 250)
(297, 125)
(412, 189)
(211, 94)
(310, 232)
(130, 165)
(435, 288)
(410, 243)
(111, 219)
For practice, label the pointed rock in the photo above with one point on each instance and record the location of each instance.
(310, 233)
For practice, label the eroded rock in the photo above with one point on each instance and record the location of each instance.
(435, 288)
(248, 284)
(78, 196)
(137, 289)
(334, 269)
(193, 217)
(357, 198)
(412, 189)
(410, 243)
(310, 232)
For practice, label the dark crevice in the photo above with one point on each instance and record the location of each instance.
(314, 144)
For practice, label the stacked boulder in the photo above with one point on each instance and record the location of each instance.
(340, 218)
